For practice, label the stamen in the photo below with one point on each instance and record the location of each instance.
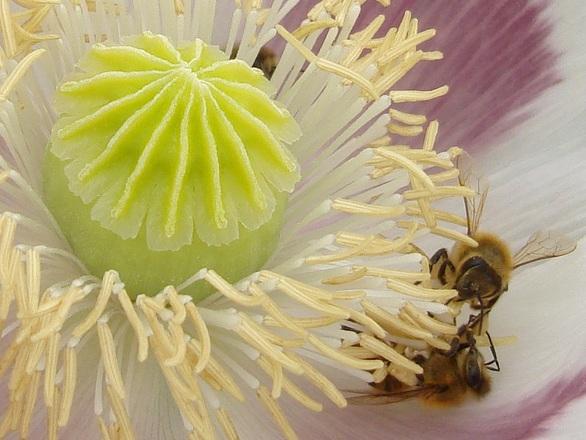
(276, 372)
(29, 404)
(176, 305)
(440, 344)
(204, 337)
(385, 351)
(36, 350)
(178, 341)
(5, 426)
(354, 207)
(439, 192)
(304, 297)
(445, 176)
(321, 382)
(407, 118)
(51, 369)
(277, 413)
(135, 322)
(349, 295)
(441, 295)
(292, 389)
(229, 291)
(367, 322)
(405, 376)
(405, 130)
(440, 215)
(379, 375)
(327, 65)
(309, 28)
(19, 71)
(394, 274)
(399, 96)
(7, 27)
(247, 331)
(109, 358)
(380, 246)
(8, 358)
(316, 322)
(90, 321)
(338, 356)
(359, 249)
(103, 429)
(276, 313)
(432, 56)
(52, 417)
(406, 45)
(68, 386)
(430, 323)
(392, 323)
(218, 373)
(354, 275)
(442, 232)
(430, 136)
(358, 352)
(227, 425)
(120, 412)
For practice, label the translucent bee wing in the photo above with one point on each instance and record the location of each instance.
(389, 397)
(543, 245)
(471, 177)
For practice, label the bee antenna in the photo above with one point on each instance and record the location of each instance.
(481, 315)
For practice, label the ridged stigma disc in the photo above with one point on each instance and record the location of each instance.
(174, 153)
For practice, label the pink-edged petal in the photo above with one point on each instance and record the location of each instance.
(536, 171)
(541, 374)
(498, 58)
(567, 424)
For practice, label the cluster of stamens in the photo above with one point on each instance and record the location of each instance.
(407, 331)
(49, 321)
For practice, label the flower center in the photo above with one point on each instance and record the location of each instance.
(165, 160)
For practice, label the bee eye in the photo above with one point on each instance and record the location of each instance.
(467, 288)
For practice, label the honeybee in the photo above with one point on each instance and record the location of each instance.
(447, 379)
(481, 274)
(266, 60)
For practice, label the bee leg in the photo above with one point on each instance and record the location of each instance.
(440, 254)
(441, 260)
(455, 347)
(468, 328)
(495, 360)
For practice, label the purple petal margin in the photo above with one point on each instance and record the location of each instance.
(498, 58)
(523, 419)
(538, 410)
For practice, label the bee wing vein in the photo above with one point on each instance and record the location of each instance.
(543, 245)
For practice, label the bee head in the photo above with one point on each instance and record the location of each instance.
(473, 368)
(468, 287)
(477, 279)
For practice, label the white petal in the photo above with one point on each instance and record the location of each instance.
(537, 173)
